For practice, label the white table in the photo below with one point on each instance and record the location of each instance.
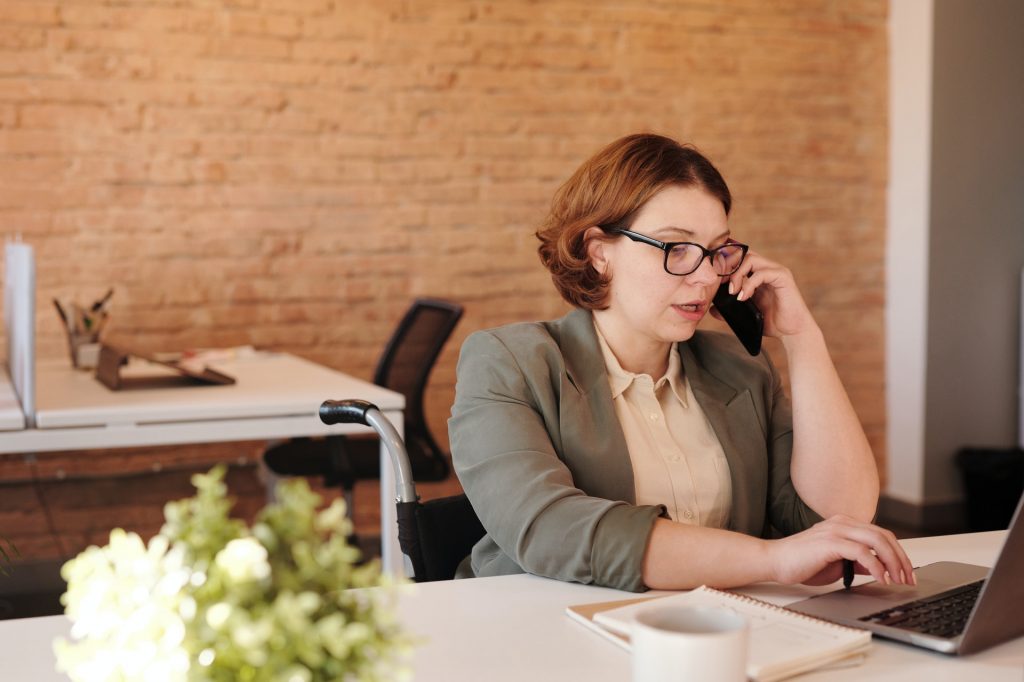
(276, 395)
(513, 628)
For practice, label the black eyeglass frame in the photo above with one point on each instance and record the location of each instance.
(668, 246)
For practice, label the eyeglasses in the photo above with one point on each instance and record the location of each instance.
(682, 258)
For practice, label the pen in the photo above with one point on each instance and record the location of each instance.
(847, 573)
(60, 311)
(101, 321)
(103, 301)
(77, 316)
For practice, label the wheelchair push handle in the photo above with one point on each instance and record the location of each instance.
(345, 411)
(366, 413)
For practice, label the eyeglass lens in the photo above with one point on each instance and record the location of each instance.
(683, 259)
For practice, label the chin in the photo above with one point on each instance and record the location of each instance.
(678, 333)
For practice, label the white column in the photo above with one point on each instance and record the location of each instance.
(906, 267)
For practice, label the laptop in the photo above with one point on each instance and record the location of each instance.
(954, 608)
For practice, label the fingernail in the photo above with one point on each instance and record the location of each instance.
(740, 296)
(732, 287)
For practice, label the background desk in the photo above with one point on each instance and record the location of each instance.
(513, 628)
(275, 396)
(11, 417)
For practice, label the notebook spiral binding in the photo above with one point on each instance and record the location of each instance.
(779, 609)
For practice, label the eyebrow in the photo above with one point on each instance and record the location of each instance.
(659, 234)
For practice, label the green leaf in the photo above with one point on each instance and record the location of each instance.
(274, 605)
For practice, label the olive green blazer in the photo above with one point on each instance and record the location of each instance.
(539, 450)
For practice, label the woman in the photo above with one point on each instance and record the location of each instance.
(620, 446)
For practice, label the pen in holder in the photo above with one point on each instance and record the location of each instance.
(84, 326)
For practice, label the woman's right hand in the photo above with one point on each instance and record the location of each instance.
(815, 556)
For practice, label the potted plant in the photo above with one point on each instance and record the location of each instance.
(209, 598)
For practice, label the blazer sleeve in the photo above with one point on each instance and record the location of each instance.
(522, 491)
(787, 512)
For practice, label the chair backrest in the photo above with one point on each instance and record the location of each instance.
(437, 535)
(405, 366)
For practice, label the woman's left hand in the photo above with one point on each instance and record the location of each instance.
(775, 293)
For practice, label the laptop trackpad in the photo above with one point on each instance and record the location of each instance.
(863, 600)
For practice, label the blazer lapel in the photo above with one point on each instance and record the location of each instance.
(730, 411)
(580, 350)
(594, 445)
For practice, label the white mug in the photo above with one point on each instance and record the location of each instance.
(673, 644)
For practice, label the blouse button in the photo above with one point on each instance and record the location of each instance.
(688, 514)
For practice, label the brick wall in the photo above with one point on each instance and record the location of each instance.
(289, 173)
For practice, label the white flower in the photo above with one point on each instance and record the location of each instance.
(202, 601)
(125, 603)
(218, 614)
(243, 560)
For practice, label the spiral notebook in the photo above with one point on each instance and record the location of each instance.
(782, 643)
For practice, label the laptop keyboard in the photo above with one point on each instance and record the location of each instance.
(943, 615)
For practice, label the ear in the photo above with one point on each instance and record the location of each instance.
(595, 241)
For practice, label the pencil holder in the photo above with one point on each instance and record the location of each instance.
(85, 350)
(84, 326)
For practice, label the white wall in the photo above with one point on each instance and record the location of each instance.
(955, 239)
(976, 234)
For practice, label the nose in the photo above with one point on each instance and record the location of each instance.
(704, 274)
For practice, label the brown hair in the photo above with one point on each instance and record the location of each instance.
(607, 191)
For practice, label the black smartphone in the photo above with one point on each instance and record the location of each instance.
(743, 317)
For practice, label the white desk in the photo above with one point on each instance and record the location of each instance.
(275, 396)
(513, 628)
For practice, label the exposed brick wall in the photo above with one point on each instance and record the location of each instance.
(289, 173)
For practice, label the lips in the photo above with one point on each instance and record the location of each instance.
(691, 310)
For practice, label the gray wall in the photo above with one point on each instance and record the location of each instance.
(976, 248)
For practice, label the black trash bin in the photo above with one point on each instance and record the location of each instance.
(993, 481)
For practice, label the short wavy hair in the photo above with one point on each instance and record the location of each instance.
(607, 191)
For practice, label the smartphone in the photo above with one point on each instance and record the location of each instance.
(743, 317)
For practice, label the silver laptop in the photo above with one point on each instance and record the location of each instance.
(954, 608)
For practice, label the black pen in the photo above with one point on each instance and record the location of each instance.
(847, 573)
(102, 302)
(63, 315)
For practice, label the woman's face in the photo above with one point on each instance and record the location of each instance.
(647, 300)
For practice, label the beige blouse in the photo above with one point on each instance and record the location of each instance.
(676, 456)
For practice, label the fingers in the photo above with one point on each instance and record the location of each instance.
(753, 272)
(888, 550)
(775, 291)
(777, 277)
(866, 559)
(876, 549)
(754, 280)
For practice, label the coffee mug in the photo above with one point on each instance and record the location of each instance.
(673, 644)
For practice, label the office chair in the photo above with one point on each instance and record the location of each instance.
(404, 367)
(437, 534)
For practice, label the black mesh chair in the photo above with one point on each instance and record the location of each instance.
(404, 367)
(437, 534)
